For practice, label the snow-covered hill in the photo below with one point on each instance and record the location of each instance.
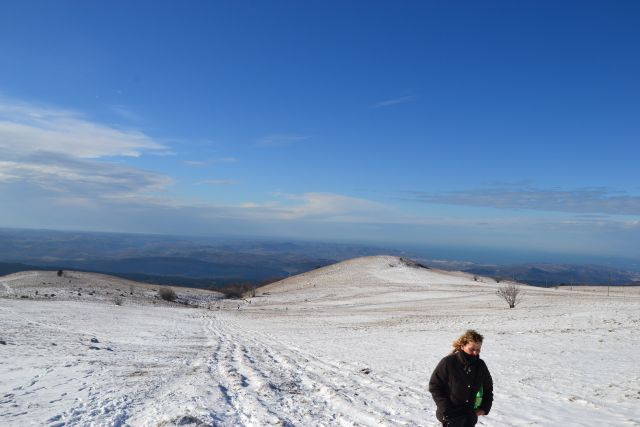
(349, 344)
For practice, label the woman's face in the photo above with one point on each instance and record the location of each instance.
(472, 348)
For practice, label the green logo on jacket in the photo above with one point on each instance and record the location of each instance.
(478, 401)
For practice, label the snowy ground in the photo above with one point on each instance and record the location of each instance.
(349, 344)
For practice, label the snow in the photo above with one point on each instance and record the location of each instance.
(349, 344)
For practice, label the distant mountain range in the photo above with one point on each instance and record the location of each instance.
(196, 262)
(559, 274)
(216, 262)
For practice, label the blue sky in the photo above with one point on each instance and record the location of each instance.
(493, 124)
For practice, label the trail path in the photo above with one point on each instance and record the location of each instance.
(266, 381)
(248, 378)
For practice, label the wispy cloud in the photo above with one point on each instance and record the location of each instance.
(279, 140)
(319, 207)
(218, 182)
(525, 183)
(163, 153)
(26, 129)
(59, 151)
(394, 101)
(635, 225)
(580, 201)
(57, 173)
(195, 163)
(209, 162)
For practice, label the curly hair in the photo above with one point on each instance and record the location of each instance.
(469, 336)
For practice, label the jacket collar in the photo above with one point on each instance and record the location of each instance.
(466, 359)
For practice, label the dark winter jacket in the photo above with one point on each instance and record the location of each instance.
(455, 382)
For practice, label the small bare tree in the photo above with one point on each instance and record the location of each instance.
(511, 293)
(167, 294)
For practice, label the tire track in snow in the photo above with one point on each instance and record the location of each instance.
(265, 379)
(347, 391)
(191, 380)
(346, 370)
(237, 385)
(254, 377)
(349, 377)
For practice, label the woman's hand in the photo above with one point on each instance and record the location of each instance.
(479, 412)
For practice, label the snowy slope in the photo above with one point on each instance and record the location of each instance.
(349, 344)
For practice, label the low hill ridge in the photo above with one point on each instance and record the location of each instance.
(373, 280)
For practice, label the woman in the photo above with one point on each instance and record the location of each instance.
(461, 384)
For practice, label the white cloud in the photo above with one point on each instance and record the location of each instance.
(328, 205)
(318, 207)
(218, 182)
(205, 163)
(83, 178)
(394, 101)
(55, 154)
(57, 151)
(26, 129)
(194, 163)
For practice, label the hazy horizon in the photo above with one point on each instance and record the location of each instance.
(478, 255)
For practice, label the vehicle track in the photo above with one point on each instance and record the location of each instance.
(266, 381)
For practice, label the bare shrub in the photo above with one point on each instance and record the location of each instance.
(167, 294)
(245, 289)
(511, 293)
(60, 273)
(236, 291)
(413, 264)
(117, 300)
